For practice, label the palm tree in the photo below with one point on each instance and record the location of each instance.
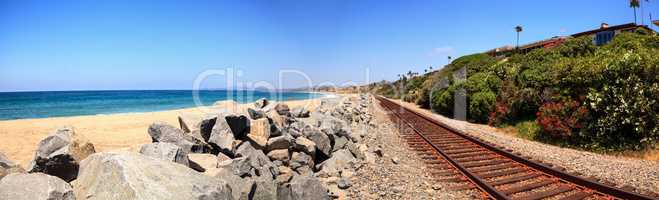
(634, 4)
(518, 29)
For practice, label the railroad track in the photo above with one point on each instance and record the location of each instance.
(494, 172)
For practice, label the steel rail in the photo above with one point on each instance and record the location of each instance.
(579, 181)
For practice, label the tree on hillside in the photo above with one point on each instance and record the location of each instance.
(634, 4)
(518, 29)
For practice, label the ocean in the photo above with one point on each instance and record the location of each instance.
(23, 105)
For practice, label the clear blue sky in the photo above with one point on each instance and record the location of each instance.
(87, 45)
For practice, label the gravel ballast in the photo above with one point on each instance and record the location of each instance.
(621, 172)
(399, 173)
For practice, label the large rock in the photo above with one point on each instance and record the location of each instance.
(5, 162)
(206, 126)
(332, 126)
(239, 125)
(259, 132)
(258, 160)
(282, 109)
(34, 186)
(319, 138)
(222, 138)
(299, 159)
(241, 166)
(255, 114)
(188, 122)
(249, 181)
(340, 142)
(203, 162)
(165, 151)
(285, 174)
(340, 160)
(279, 142)
(60, 153)
(277, 123)
(300, 112)
(261, 103)
(279, 154)
(358, 150)
(266, 188)
(134, 176)
(163, 132)
(8, 167)
(305, 145)
(304, 187)
(242, 187)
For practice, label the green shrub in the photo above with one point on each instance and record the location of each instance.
(528, 129)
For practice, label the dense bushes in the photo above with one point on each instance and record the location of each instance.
(582, 95)
(562, 119)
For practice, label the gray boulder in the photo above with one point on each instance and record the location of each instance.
(279, 142)
(266, 188)
(60, 153)
(222, 138)
(206, 126)
(133, 176)
(250, 184)
(5, 162)
(165, 151)
(239, 125)
(299, 159)
(319, 138)
(279, 154)
(34, 186)
(163, 132)
(258, 160)
(242, 188)
(277, 121)
(8, 167)
(340, 142)
(307, 187)
(282, 109)
(255, 114)
(340, 160)
(241, 167)
(332, 125)
(261, 103)
(358, 150)
(300, 112)
(188, 122)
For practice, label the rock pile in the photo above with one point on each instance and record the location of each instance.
(267, 152)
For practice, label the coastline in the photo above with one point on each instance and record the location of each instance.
(118, 131)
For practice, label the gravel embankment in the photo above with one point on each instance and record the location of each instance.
(619, 171)
(406, 178)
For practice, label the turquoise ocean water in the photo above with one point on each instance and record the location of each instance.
(22, 105)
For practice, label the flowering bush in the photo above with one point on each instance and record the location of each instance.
(561, 119)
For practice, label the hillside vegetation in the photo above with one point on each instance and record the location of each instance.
(601, 98)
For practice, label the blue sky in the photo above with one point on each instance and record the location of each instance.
(101, 45)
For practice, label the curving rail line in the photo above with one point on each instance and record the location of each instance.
(496, 173)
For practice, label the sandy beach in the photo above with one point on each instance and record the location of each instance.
(107, 132)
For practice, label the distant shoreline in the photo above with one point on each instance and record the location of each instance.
(55, 104)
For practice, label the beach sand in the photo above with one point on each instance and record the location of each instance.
(19, 138)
